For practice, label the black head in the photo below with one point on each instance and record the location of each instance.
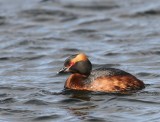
(78, 63)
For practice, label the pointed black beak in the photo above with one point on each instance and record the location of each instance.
(64, 69)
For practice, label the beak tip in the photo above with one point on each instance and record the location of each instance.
(58, 72)
(64, 69)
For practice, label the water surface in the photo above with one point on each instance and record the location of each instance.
(36, 36)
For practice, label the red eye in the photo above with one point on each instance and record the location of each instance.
(71, 64)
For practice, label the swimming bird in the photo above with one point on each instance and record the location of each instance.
(102, 79)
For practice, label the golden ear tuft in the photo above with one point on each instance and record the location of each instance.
(80, 57)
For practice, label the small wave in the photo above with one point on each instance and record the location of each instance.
(51, 93)
(47, 117)
(143, 53)
(70, 50)
(95, 21)
(7, 100)
(2, 20)
(15, 110)
(79, 31)
(138, 100)
(36, 102)
(4, 58)
(145, 74)
(148, 93)
(92, 6)
(19, 58)
(95, 119)
(44, 15)
(52, 38)
(3, 95)
(111, 54)
(70, 100)
(147, 12)
(36, 12)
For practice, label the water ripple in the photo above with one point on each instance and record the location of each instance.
(36, 102)
(47, 117)
(38, 35)
(7, 100)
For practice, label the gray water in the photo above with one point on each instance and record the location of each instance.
(36, 36)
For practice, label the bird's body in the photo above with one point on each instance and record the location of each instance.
(101, 79)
